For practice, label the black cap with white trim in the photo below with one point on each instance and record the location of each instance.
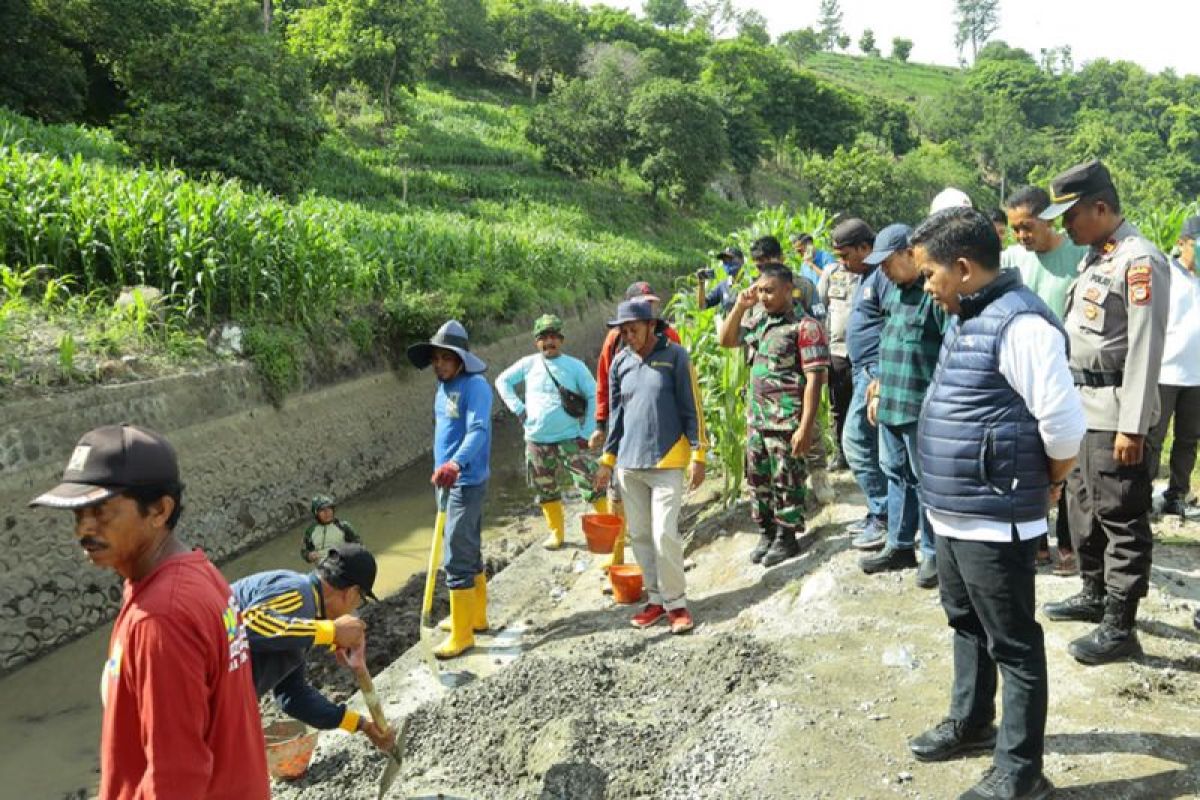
(108, 460)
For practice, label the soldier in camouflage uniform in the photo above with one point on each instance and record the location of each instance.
(788, 355)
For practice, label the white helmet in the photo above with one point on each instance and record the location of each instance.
(950, 198)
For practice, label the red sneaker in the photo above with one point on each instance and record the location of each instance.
(648, 616)
(680, 619)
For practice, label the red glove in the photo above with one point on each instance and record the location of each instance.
(445, 476)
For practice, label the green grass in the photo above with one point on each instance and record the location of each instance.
(449, 213)
(884, 77)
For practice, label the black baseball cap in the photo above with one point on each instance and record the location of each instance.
(850, 232)
(1080, 181)
(731, 252)
(351, 565)
(640, 290)
(108, 460)
(892, 238)
(1191, 228)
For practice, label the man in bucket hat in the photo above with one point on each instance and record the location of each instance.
(462, 443)
(180, 716)
(554, 437)
(288, 613)
(656, 433)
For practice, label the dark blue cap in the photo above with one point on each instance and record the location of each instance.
(892, 238)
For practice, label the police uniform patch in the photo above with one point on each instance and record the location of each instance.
(1092, 293)
(1091, 312)
(1138, 279)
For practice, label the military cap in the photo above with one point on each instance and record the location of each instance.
(1080, 181)
(850, 232)
(1191, 228)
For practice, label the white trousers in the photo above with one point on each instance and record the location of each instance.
(653, 498)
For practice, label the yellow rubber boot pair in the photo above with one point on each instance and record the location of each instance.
(618, 554)
(556, 520)
(462, 634)
(479, 610)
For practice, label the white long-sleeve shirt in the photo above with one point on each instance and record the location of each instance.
(1181, 353)
(1033, 359)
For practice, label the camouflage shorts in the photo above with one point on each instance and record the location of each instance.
(542, 463)
(776, 480)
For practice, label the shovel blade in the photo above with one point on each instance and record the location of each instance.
(395, 761)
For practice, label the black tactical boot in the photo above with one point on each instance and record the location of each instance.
(1114, 639)
(783, 548)
(1086, 606)
(764, 544)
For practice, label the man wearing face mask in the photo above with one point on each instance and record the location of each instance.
(723, 294)
(1116, 317)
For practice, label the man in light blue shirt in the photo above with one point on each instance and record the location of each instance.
(554, 437)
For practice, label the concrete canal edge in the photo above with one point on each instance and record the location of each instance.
(249, 469)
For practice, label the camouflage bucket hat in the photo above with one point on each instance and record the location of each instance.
(546, 323)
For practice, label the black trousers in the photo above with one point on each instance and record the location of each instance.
(1109, 504)
(841, 389)
(987, 592)
(1182, 402)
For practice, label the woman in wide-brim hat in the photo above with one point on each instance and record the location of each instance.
(462, 442)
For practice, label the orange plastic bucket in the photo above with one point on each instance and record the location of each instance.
(601, 531)
(626, 583)
(289, 749)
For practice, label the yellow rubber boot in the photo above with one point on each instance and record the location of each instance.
(461, 638)
(618, 553)
(600, 506)
(479, 617)
(479, 611)
(553, 512)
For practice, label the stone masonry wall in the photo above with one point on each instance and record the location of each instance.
(248, 467)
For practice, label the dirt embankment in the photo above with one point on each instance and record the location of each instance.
(801, 681)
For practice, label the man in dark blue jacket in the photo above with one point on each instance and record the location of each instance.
(287, 613)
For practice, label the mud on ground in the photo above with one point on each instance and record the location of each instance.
(802, 681)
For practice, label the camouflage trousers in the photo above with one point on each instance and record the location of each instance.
(776, 480)
(542, 463)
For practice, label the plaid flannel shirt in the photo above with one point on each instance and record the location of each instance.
(908, 352)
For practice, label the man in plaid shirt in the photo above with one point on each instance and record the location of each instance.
(908, 354)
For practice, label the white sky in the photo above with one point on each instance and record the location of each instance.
(1156, 34)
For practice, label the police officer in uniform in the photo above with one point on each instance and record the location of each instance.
(836, 293)
(1116, 317)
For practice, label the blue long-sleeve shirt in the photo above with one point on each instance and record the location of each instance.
(546, 422)
(865, 325)
(462, 412)
(283, 613)
(655, 415)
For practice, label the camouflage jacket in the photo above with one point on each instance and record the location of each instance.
(779, 350)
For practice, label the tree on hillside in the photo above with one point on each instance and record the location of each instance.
(678, 137)
(752, 25)
(385, 45)
(667, 13)
(829, 23)
(975, 22)
(543, 39)
(716, 18)
(582, 129)
(800, 44)
(901, 48)
(467, 38)
(41, 77)
(866, 43)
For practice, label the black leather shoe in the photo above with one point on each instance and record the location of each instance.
(887, 559)
(784, 547)
(1000, 785)
(1086, 606)
(760, 549)
(950, 738)
(1114, 639)
(1174, 507)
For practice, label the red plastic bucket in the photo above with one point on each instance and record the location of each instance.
(601, 531)
(626, 583)
(289, 749)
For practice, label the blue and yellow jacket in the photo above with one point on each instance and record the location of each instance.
(656, 419)
(283, 612)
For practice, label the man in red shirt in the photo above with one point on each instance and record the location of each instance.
(612, 345)
(180, 712)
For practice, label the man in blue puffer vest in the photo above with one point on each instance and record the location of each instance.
(998, 432)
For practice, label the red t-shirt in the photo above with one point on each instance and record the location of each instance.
(180, 713)
(612, 345)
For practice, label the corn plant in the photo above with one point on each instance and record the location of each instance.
(1162, 225)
